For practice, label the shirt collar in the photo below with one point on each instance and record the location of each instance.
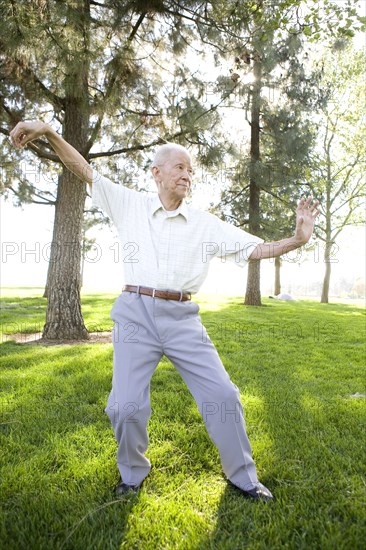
(156, 205)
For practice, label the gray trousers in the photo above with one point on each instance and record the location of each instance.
(145, 329)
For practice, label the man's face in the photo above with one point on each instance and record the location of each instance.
(174, 176)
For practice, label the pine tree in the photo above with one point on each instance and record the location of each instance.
(80, 65)
(280, 137)
(264, 198)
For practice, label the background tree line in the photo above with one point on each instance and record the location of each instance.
(117, 79)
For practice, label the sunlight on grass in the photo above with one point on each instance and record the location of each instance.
(314, 406)
(296, 366)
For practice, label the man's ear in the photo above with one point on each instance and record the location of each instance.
(155, 172)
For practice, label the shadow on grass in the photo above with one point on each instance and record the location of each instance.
(27, 314)
(59, 465)
(304, 427)
(295, 367)
(53, 433)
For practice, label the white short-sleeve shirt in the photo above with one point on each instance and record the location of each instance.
(168, 250)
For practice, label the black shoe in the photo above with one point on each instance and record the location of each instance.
(123, 488)
(257, 492)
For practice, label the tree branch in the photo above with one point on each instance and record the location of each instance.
(349, 199)
(140, 147)
(345, 180)
(352, 224)
(47, 202)
(335, 235)
(277, 198)
(136, 27)
(230, 200)
(41, 153)
(158, 141)
(244, 222)
(27, 78)
(109, 89)
(32, 145)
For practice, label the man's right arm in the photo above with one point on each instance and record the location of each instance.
(25, 132)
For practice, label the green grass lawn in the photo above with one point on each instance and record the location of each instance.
(297, 366)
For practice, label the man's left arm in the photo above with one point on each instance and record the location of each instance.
(306, 213)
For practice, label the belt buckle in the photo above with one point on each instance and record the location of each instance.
(153, 294)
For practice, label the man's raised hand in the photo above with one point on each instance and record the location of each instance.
(24, 132)
(306, 213)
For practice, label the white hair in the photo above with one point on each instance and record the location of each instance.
(163, 152)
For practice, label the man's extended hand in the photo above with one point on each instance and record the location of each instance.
(306, 213)
(24, 132)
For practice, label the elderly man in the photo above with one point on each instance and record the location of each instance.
(172, 244)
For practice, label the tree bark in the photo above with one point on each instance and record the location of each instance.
(328, 222)
(253, 293)
(277, 284)
(49, 270)
(326, 281)
(63, 317)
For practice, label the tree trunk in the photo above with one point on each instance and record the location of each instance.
(253, 293)
(326, 281)
(328, 222)
(277, 284)
(63, 318)
(49, 270)
(82, 261)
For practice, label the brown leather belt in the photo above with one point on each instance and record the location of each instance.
(164, 294)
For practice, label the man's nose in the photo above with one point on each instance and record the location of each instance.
(187, 176)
